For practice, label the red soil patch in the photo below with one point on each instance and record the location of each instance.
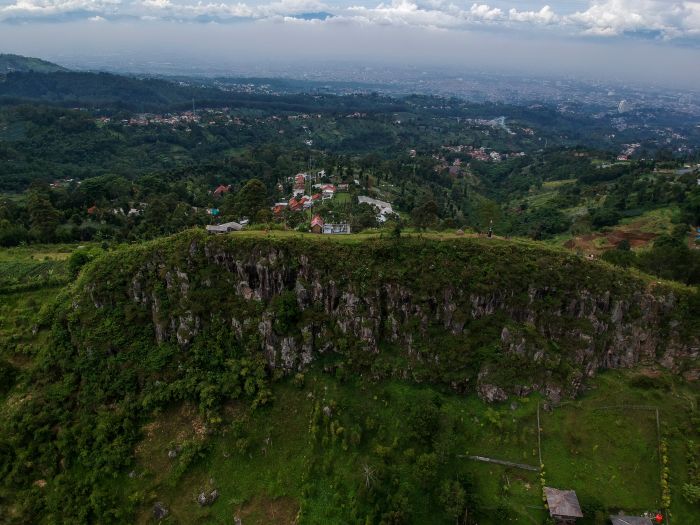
(587, 244)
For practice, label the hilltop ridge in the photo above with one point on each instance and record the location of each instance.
(10, 63)
(471, 313)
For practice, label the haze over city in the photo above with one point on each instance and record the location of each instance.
(650, 41)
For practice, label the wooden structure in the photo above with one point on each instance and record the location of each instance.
(564, 507)
(317, 224)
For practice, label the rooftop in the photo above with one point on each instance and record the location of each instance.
(563, 503)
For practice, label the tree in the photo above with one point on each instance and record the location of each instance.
(77, 260)
(453, 499)
(43, 217)
(12, 234)
(251, 199)
(425, 215)
(691, 492)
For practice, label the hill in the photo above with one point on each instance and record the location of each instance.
(121, 92)
(20, 64)
(293, 378)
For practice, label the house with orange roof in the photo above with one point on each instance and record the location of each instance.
(221, 190)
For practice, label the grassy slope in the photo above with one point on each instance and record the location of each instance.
(608, 456)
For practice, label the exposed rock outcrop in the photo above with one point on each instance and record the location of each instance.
(548, 328)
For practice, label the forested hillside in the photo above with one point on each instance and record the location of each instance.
(21, 64)
(218, 334)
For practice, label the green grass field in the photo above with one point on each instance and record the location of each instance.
(342, 198)
(266, 464)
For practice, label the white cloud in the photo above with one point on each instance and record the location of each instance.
(663, 19)
(485, 12)
(56, 7)
(157, 4)
(546, 16)
(668, 19)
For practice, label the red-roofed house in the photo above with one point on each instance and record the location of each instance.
(221, 189)
(299, 181)
(92, 210)
(316, 196)
(294, 204)
(317, 224)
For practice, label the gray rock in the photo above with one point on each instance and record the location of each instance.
(160, 511)
(205, 499)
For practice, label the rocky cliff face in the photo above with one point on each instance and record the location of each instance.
(499, 319)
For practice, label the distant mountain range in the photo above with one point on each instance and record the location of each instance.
(16, 63)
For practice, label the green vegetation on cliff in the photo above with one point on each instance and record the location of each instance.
(336, 380)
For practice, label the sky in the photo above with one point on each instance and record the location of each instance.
(641, 40)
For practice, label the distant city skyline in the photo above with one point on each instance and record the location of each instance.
(654, 41)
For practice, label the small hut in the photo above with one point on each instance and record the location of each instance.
(563, 506)
(630, 520)
(317, 224)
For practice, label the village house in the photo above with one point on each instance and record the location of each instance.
(307, 202)
(317, 224)
(327, 191)
(279, 207)
(224, 228)
(384, 209)
(221, 190)
(564, 507)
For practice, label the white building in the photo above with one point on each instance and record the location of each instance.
(384, 209)
(224, 228)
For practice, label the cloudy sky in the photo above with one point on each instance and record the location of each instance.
(636, 39)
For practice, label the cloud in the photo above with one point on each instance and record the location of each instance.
(544, 16)
(485, 12)
(33, 9)
(157, 4)
(660, 19)
(667, 19)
